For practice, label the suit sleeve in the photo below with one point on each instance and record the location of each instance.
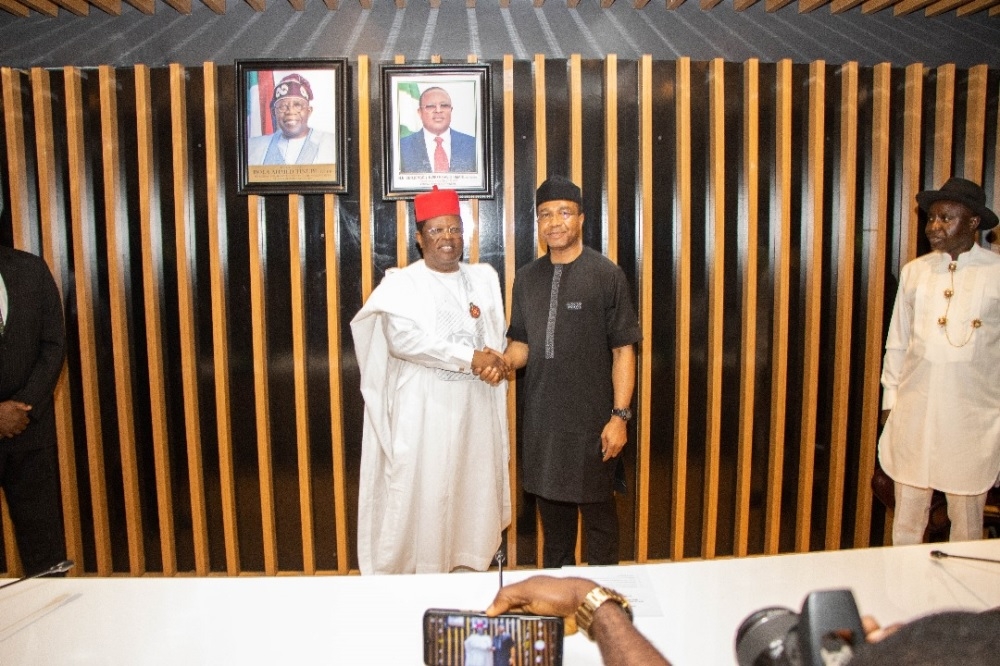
(51, 345)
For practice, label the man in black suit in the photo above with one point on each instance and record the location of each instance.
(32, 351)
(437, 148)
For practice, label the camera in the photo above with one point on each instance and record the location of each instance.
(824, 633)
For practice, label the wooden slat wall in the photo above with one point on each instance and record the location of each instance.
(874, 240)
(715, 258)
(842, 256)
(119, 270)
(217, 242)
(781, 223)
(185, 286)
(811, 260)
(681, 274)
(151, 230)
(84, 252)
(747, 234)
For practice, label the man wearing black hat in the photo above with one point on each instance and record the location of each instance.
(296, 142)
(574, 326)
(941, 397)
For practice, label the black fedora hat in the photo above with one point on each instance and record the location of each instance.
(964, 192)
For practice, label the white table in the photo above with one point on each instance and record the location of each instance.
(377, 619)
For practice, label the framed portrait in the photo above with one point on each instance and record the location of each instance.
(292, 126)
(436, 129)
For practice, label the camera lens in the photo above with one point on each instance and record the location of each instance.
(762, 636)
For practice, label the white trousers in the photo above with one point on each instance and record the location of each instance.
(913, 509)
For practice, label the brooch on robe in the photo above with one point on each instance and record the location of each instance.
(474, 310)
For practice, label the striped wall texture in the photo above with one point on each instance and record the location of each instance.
(210, 417)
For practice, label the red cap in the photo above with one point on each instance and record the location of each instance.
(435, 203)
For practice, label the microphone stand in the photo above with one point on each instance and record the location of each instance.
(62, 567)
(938, 555)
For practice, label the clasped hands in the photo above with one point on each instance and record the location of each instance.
(13, 418)
(489, 365)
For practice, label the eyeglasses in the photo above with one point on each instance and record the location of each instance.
(437, 231)
(291, 105)
(563, 213)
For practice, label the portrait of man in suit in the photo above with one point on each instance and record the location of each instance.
(294, 141)
(437, 147)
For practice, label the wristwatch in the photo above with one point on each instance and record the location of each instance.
(624, 413)
(594, 599)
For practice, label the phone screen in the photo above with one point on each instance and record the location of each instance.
(469, 638)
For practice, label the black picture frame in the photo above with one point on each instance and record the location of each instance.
(408, 162)
(259, 170)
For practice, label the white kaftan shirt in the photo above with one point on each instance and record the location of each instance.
(942, 383)
(434, 486)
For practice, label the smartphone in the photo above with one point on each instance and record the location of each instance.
(469, 638)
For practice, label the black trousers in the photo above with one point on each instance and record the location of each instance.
(30, 482)
(600, 528)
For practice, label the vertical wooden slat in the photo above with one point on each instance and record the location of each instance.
(541, 150)
(20, 201)
(150, 227)
(645, 235)
(187, 314)
(911, 171)
(509, 268)
(576, 122)
(715, 263)
(541, 171)
(781, 219)
(812, 282)
(218, 267)
(747, 231)
(975, 123)
(611, 149)
(874, 238)
(682, 296)
(52, 221)
(300, 356)
(85, 273)
(364, 176)
(576, 175)
(472, 238)
(402, 214)
(258, 315)
(843, 217)
(119, 270)
(331, 225)
(14, 567)
(996, 178)
(944, 123)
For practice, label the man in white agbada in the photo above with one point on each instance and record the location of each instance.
(434, 487)
(940, 379)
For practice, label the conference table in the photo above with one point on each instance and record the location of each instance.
(690, 610)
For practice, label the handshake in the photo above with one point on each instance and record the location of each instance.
(490, 366)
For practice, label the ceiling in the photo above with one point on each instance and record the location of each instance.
(58, 33)
(52, 8)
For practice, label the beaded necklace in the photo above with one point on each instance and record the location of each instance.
(943, 319)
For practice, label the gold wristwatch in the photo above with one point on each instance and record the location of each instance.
(594, 599)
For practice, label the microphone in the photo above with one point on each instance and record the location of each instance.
(61, 567)
(939, 555)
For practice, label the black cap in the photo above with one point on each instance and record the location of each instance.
(558, 188)
(965, 192)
